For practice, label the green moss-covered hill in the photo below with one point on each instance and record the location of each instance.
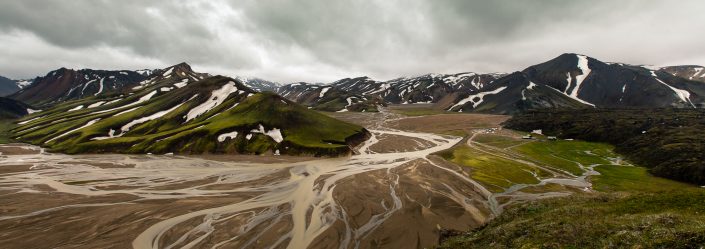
(670, 142)
(600, 220)
(189, 116)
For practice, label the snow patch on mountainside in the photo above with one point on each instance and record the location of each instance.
(30, 111)
(480, 95)
(577, 99)
(146, 97)
(145, 72)
(624, 89)
(86, 85)
(139, 101)
(96, 104)
(476, 83)
(274, 133)
(125, 128)
(585, 69)
(217, 98)
(27, 121)
(76, 108)
(455, 79)
(382, 88)
(100, 90)
(113, 101)
(682, 94)
(650, 67)
(583, 66)
(71, 131)
(231, 135)
(127, 111)
(23, 83)
(529, 87)
(697, 71)
(350, 102)
(168, 72)
(182, 83)
(323, 92)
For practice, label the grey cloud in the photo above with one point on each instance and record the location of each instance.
(320, 40)
(169, 30)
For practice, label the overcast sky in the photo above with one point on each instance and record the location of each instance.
(324, 40)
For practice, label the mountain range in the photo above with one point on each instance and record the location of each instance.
(578, 81)
(177, 110)
(67, 84)
(567, 81)
(8, 86)
(364, 93)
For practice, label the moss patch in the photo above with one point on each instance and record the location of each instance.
(633, 179)
(566, 154)
(647, 220)
(494, 172)
(5, 126)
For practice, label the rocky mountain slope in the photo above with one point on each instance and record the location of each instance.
(329, 97)
(567, 81)
(695, 73)
(177, 110)
(258, 84)
(67, 84)
(364, 93)
(578, 81)
(432, 88)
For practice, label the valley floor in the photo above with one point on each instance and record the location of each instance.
(409, 184)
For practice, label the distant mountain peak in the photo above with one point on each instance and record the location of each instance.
(258, 84)
(570, 54)
(183, 66)
(59, 71)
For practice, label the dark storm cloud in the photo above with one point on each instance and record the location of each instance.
(323, 40)
(168, 30)
(390, 33)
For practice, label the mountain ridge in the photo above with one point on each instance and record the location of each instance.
(589, 82)
(567, 81)
(177, 110)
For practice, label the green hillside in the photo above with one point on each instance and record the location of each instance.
(163, 118)
(603, 220)
(670, 142)
(628, 207)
